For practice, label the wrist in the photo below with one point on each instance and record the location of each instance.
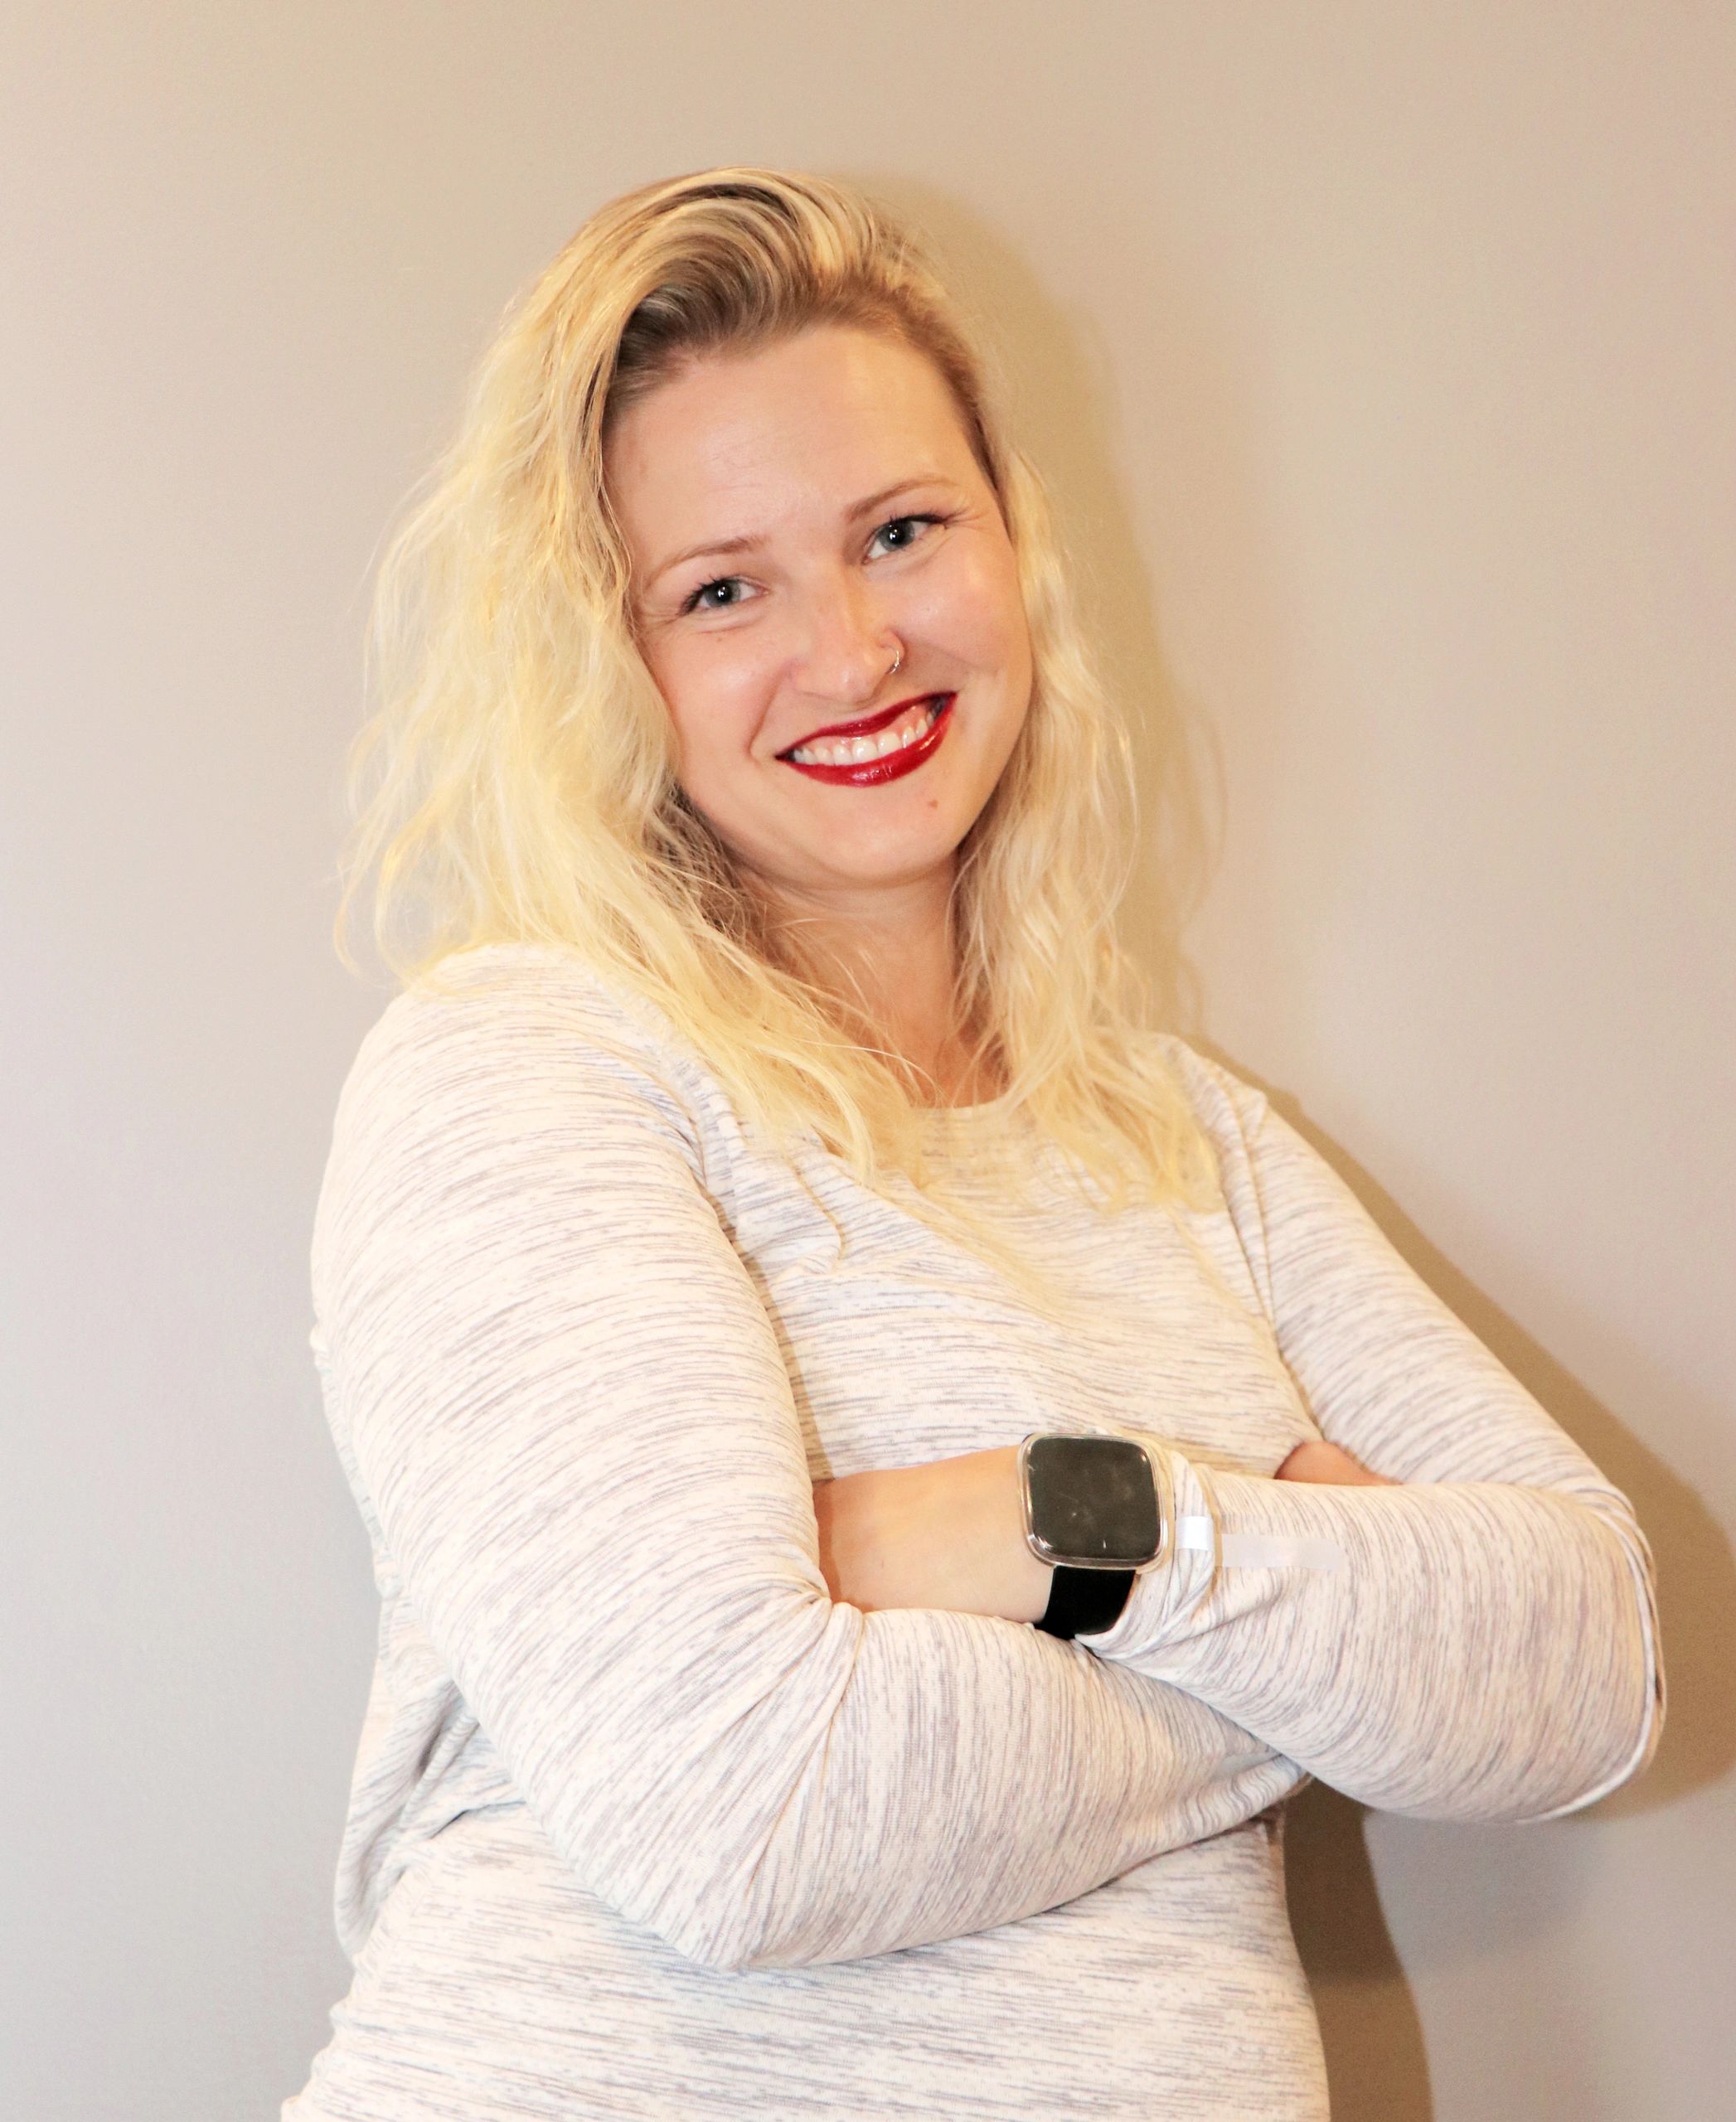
(1095, 1512)
(1026, 1580)
(971, 1555)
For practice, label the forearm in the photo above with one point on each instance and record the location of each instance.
(1483, 1650)
(948, 1534)
(972, 1774)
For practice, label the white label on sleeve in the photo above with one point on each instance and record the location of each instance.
(1258, 1550)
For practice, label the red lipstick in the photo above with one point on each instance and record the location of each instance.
(864, 725)
(870, 773)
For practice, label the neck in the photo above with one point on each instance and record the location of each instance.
(889, 963)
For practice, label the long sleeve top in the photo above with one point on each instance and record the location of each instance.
(644, 1823)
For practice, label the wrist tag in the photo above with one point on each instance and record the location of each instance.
(1258, 1550)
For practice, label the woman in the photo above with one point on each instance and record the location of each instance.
(766, 1143)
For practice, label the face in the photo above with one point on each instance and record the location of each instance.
(792, 516)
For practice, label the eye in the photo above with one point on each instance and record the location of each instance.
(906, 524)
(698, 601)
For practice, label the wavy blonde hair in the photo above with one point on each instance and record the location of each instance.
(518, 782)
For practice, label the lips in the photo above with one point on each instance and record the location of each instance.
(865, 725)
(889, 766)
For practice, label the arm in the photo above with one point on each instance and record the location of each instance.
(569, 1413)
(950, 1532)
(1488, 1647)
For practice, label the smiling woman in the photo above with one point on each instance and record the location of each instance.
(883, 1469)
(731, 483)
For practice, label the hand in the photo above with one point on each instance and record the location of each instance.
(1317, 1460)
(950, 1535)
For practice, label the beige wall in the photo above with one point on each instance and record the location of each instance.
(1382, 360)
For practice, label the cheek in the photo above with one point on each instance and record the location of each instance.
(974, 610)
(714, 687)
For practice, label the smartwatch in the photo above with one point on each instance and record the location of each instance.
(1094, 1512)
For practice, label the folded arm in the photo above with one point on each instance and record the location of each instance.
(569, 1410)
(1488, 1647)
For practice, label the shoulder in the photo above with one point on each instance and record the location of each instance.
(513, 1075)
(510, 1034)
(476, 995)
(1229, 1111)
(1236, 1119)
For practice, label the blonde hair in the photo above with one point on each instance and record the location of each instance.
(518, 782)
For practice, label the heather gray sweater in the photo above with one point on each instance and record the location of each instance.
(643, 1825)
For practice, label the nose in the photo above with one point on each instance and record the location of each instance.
(846, 646)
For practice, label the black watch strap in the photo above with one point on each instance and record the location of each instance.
(1084, 1601)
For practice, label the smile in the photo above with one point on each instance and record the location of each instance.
(867, 761)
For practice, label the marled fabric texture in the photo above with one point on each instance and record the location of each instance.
(643, 1825)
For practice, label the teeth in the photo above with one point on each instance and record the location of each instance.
(850, 751)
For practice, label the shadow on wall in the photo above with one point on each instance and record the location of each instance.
(1375, 2059)
(1369, 2019)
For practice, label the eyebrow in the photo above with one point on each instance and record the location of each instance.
(715, 547)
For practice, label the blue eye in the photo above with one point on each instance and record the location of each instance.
(898, 522)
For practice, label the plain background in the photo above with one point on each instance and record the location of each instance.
(1380, 359)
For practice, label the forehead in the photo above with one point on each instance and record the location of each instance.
(815, 421)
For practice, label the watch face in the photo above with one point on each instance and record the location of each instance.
(1093, 1500)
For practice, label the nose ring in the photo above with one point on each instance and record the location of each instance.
(897, 660)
